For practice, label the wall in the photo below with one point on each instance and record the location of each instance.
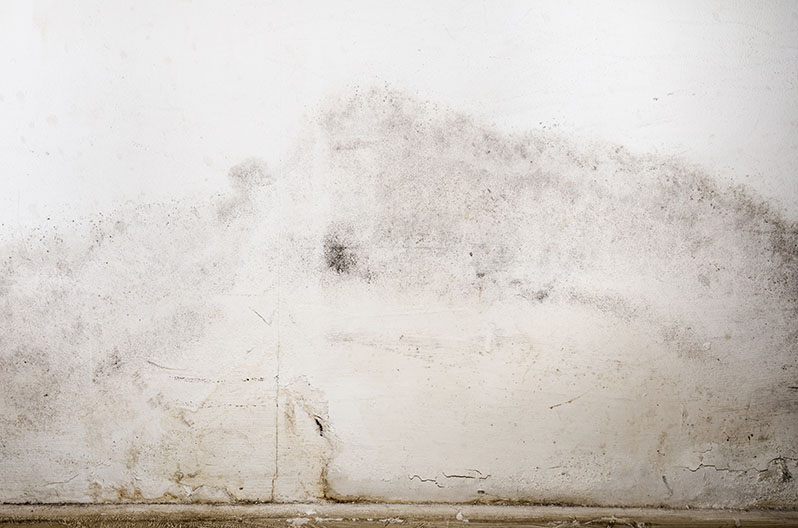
(412, 301)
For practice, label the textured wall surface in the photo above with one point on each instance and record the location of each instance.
(413, 308)
(561, 268)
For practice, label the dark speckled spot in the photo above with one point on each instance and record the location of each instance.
(338, 256)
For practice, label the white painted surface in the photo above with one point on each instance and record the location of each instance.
(405, 301)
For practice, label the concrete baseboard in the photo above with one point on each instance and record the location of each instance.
(342, 515)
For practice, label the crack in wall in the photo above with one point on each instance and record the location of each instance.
(478, 476)
(276, 423)
(780, 460)
(422, 479)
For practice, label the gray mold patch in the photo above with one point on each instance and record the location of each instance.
(90, 305)
(523, 211)
(28, 405)
(339, 254)
(413, 277)
(696, 282)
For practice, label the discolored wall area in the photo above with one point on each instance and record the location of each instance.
(462, 252)
(411, 306)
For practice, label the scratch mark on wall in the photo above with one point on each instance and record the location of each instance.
(478, 475)
(566, 402)
(57, 482)
(268, 322)
(154, 364)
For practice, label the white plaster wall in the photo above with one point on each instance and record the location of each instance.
(475, 252)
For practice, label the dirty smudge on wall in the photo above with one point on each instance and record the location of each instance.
(414, 307)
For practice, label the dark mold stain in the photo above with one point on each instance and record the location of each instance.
(247, 179)
(426, 200)
(86, 303)
(249, 174)
(642, 241)
(30, 390)
(534, 209)
(339, 257)
(107, 366)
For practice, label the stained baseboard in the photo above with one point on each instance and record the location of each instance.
(341, 515)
